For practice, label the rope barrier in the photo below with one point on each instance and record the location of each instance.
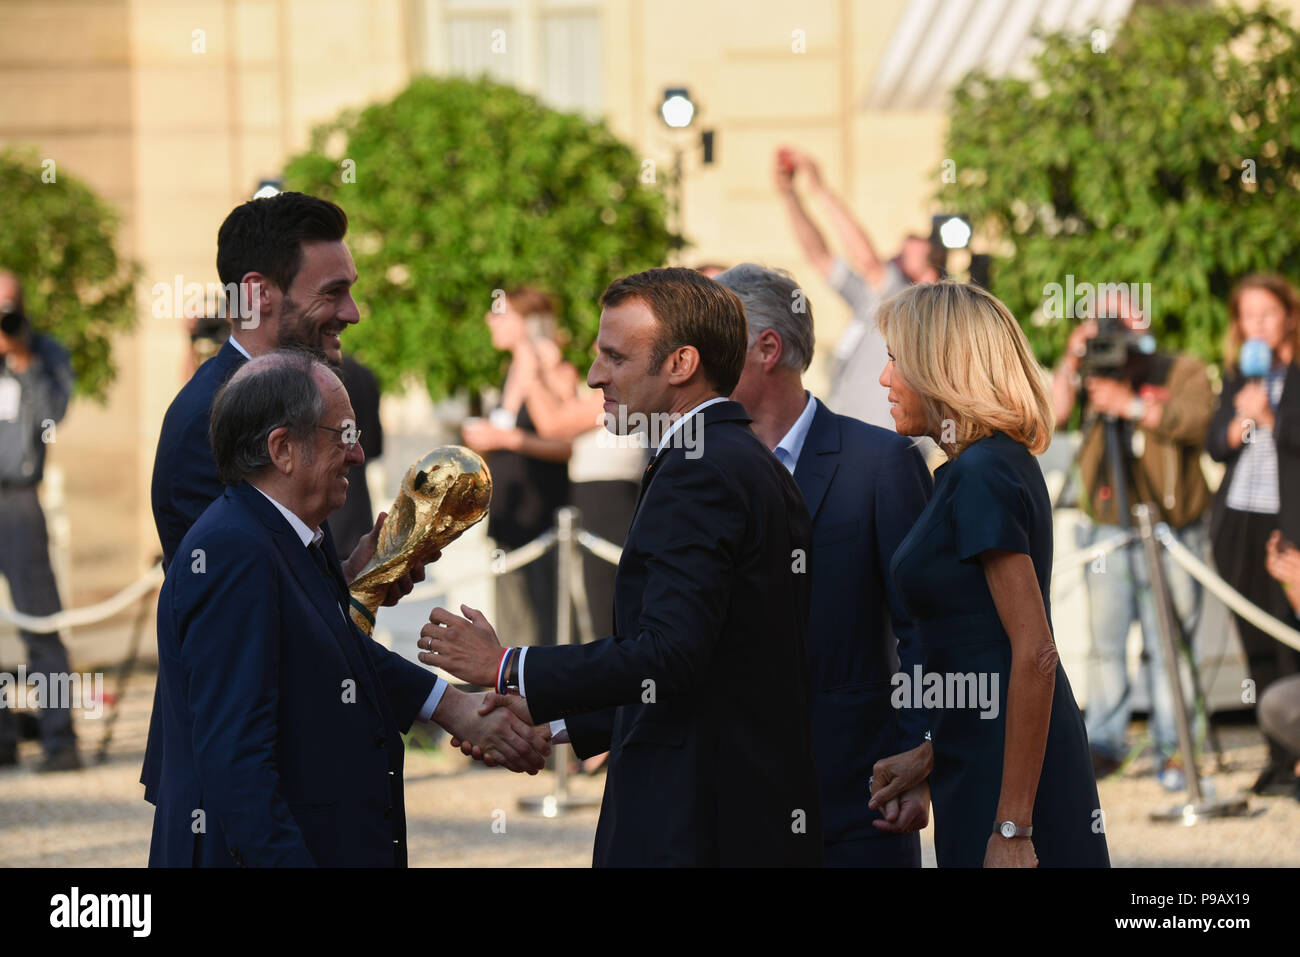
(90, 614)
(500, 565)
(600, 547)
(1225, 592)
(1092, 552)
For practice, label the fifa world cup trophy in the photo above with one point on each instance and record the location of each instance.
(443, 494)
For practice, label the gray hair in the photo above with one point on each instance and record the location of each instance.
(276, 390)
(773, 300)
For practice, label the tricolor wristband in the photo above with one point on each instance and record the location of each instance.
(501, 670)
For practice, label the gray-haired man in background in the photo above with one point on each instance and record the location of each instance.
(864, 487)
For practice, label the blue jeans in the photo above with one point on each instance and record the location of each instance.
(1119, 590)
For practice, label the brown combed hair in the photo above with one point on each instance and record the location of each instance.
(691, 310)
(962, 351)
(1282, 291)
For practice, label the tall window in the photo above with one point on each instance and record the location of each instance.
(550, 48)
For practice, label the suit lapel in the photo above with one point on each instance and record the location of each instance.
(322, 598)
(718, 412)
(818, 459)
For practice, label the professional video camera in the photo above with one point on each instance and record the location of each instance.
(12, 319)
(1110, 353)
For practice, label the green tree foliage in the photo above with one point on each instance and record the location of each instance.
(457, 188)
(1167, 155)
(58, 238)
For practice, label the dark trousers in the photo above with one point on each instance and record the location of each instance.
(25, 564)
(1239, 554)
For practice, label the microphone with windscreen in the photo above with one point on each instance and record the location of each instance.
(1256, 359)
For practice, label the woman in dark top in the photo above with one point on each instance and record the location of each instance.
(530, 474)
(1012, 782)
(1256, 431)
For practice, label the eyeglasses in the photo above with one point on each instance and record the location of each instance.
(348, 443)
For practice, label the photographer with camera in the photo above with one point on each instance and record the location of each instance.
(35, 385)
(1144, 418)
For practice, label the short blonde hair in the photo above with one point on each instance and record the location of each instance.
(961, 350)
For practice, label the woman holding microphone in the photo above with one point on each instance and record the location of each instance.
(1256, 433)
(1012, 782)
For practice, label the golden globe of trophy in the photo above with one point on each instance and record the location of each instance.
(443, 494)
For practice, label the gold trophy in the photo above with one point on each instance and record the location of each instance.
(443, 494)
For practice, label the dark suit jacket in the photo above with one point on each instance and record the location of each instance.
(277, 726)
(184, 484)
(865, 488)
(704, 685)
(1286, 436)
(184, 474)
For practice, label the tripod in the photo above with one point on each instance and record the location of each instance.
(1196, 807)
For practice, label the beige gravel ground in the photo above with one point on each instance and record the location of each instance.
(98, 818)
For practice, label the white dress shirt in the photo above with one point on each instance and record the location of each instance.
(243, 352)
(788, 449)
(310, 537)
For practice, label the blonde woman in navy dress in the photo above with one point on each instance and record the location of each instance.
(1013, 788)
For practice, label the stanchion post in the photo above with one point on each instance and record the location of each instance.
(1164, 618)
(1196, 807)
(566, 553)
(565, 520)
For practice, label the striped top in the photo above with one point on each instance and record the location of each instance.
(1255, 483)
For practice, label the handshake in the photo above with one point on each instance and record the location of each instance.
(493, 728)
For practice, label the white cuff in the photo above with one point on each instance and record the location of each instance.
(431, 703)
(559, 732)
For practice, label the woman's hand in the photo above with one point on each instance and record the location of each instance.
(1077, 345)
(893, 775)
(1016, 852)
(1251, 402)
(1282, 560)
(484, 437)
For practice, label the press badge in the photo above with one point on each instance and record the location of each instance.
(10, 394)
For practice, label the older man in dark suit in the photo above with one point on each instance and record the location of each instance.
(701, 694)
(865, 487)
(281, 741)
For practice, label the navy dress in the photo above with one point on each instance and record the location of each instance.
(991, 496)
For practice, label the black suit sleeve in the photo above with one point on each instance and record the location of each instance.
(591, 733)
(406, 684)
(692, 525)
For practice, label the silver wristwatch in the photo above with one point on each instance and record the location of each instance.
(1010, 829)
